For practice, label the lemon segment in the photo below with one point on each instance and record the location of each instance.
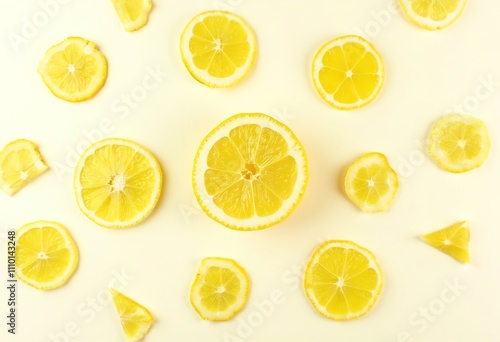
(250, 172)
(133, 14)
(20, 163)
(220, 289)
(218, 48)
(46, 255)
(343, 280)
(117, 183)
(348, 72)
(74, 70)
(459, 143)
(136, 320)
(452, 240)
(433, 15)
(371, 183)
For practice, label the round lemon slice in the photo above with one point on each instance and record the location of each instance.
(46, 255)
(459, 143)
(343, 280)
(348, 72)
(250, 172)
(220, 289)
(218, 48)
(433, 15)
(371, 183)
(117, 183)
(74, 70)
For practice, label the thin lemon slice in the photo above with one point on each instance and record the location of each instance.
(218, 48)
(433, 15)
(348, 72)
(250, 172)
(46, 255)
(343, 280)
(117, 183)
(136, 320)
(74, 70)
(133, 14)
(220, 289)
(371, 183)
(452, 240)
(459, 143)
(20, 163)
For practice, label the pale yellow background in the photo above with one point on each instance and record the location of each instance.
(428, 73)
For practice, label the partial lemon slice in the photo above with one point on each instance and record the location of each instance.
(250, 172)
(433, 15)
(459, 143)
(74, 70)
(220, 289)
(117, 183)
(452, 240)
(348, 72)
(133, 14)
(20, 163)
(218, 48)
(46, 255)
(343, 280)
(371, 183)
(136, 319)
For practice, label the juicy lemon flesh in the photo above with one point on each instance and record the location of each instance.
(350, 73)
(219, 45)
(437, 10)
(250, 172)
(453, 241)
(461, 142)
(20, 163)
(220, 289)
(133, 14)
(117, 183)
(370, 184)
(136, 320)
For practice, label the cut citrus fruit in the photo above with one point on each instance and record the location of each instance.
(20, 163)
(133, 14)
(459, 143)
(348, 72)
(74, 70)
(218, 48)
(46, 255)
(433, 15)
(220, 289)
(117, 183)
(136, 320)
(452, 240)
(250, 172)
(343, 280)
(371, 183)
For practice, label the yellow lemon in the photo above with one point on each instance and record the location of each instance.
(433, 15)
(136, 320)
(133, 14)
(452, 240)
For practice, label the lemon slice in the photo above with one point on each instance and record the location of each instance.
(117, 183)
(343, 280)
(371, 183)
(250, 172)
(20, 163)
(459, 143)
(133, 14)
(74, 70)
(136, 320)
(218, 48)
(452, 240)
(348, 72)
(46, 255)
(220, 289)
(433, 15)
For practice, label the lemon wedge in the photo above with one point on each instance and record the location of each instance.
(452, 240)
(133, 14)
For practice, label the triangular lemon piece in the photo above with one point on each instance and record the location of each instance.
(452, 240)
(136, 319)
